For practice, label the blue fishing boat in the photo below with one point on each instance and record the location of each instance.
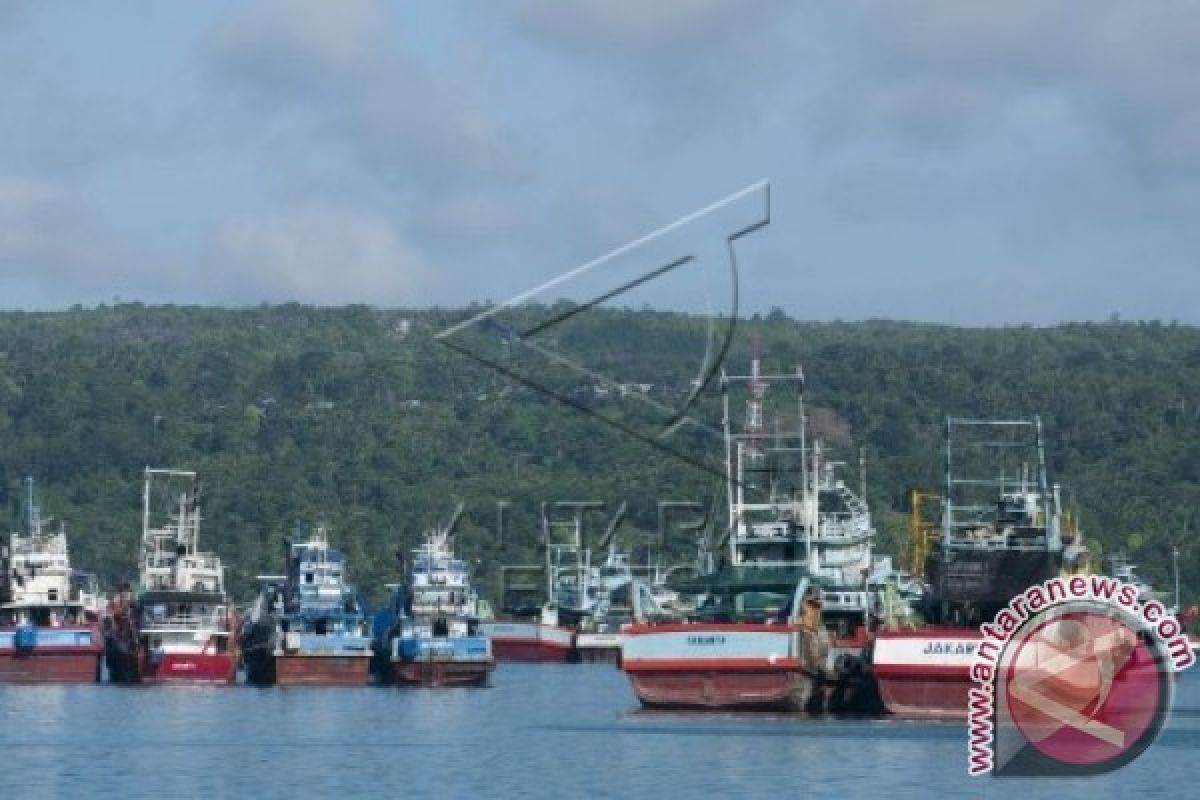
(308, 627)
(431, 632)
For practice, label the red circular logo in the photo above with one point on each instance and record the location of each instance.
(1085, 689)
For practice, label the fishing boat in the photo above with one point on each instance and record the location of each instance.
(599, 637)
(1001, 532)
(308, 627)
(621, 594)
(1118, 565)
(530, 638)
(47, 634)
(799, 543)
(577, 613)
(592, 600)
(432, 633)
(179, 627)
(529, 628)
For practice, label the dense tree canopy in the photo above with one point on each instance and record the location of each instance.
(366, 421)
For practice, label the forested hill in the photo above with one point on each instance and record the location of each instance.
(364, 420)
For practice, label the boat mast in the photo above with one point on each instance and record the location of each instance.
(29, 512)
(803, 430)
(729, 475)
(862, 473)
(947, 520)
(1175, 569)
(750, 448)
(171, 533)
(862, 488)
(813, 505)
(146, 506)
(551, 573)
(1053, 521)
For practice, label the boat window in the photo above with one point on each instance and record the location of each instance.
(830, 503)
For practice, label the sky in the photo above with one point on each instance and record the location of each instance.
(1032, 161)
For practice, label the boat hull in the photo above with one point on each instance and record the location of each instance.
(60, 655)
(298, 669)
(441, 661)
(50, 668)
(925, 698)
(442, 673)
(183, 668)
(723, 667)
(724, 689)
(529, 642)
(925, 673)
(55, 655)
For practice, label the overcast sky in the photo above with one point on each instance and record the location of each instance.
(975, 163)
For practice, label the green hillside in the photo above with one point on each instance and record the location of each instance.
(364, 420)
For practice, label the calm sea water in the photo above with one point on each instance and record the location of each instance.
(542, 731)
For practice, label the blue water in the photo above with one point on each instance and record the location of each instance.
(542, 731)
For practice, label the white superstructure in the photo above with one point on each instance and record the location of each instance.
(183, 607)
(39, 585)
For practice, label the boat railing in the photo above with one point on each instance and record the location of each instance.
(843, 600)
(454, 609)
(841, 560)
(440, 581)
(847, 531)
(959, 541)
(216, 620)
(36, 571)
(38, 557)
(766, 531)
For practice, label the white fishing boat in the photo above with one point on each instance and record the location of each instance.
(784, 618)
(48, 627)
(181, 625)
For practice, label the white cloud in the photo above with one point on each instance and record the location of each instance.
(637, 25)
(55, 251)
(47, 234)
(467, 217)
(301, 42)
(345, 65)
(921, 139)
(326, 256)
(695, 66)
(941, 70)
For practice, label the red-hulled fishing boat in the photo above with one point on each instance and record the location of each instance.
(528, 629)
(1001, 532)
(180, 627)
(784, 620)
(532, 639)
(48, 628)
